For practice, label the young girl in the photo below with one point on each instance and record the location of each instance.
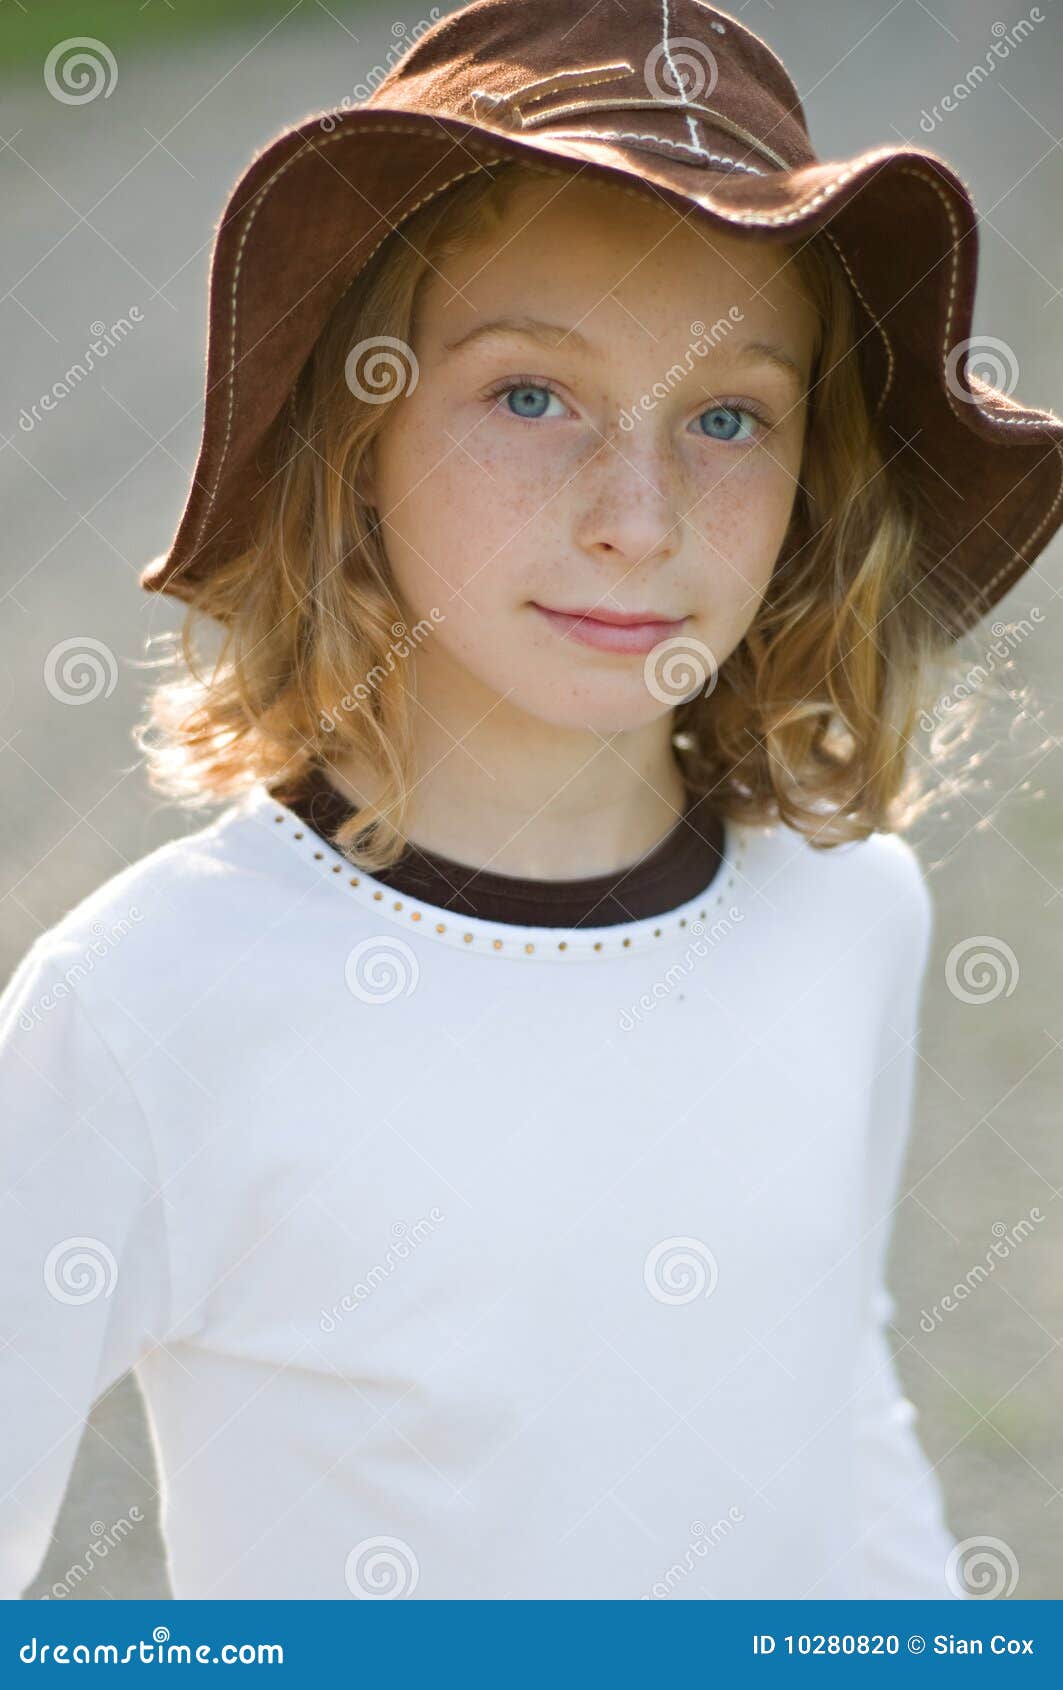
(483, 1137)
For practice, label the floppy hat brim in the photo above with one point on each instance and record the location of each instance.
(314, 205)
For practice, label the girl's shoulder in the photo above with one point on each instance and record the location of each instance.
(866, 899)
(882, 868)
(164, 917)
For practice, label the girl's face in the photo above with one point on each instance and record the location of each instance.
(596, 426)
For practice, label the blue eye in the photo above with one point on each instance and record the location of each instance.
(523, 401)
(529, 401)
(726, 416)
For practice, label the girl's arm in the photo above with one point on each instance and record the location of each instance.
(83, 1267)
(905, 1542)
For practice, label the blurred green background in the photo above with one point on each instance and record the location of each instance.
(29, 31)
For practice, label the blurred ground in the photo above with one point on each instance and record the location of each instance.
(110, 205)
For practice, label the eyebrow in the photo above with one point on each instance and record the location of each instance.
(532, 328)
(553, 334)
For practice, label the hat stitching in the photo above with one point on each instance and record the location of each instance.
(1033, 418)
(664, 140)
(1023, 422)
(1005, 568)
(879, 326)
(1026, 422)
(763, 218)
(558, 82)
(717, 118)
(503, 106)
(487, 103)
(666, 49)
(253, 212)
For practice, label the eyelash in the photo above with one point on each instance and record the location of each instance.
(513, 383)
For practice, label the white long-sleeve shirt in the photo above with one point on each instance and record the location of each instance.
(460, 1259)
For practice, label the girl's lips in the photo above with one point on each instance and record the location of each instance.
(611, 636)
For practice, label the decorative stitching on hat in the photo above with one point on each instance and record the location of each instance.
(1032, 418)
(879, 326)
(1030, 421)
(664, 140)
(1018, 554)
(716, 118)
(666, 49)
(503, 107)
(258, 201)
(559, 80)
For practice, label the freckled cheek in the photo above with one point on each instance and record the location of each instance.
(743, 518)
(472, 519)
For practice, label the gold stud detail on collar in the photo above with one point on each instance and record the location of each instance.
(528, 947)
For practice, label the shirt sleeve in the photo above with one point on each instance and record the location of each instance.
(905, 1541)
(84, 1283)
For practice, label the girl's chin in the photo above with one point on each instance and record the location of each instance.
(575, 704)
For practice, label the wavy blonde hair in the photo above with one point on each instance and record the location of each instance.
(810, 717)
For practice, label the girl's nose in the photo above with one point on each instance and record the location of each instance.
(628, 502)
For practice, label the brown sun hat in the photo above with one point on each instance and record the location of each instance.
(670, 98)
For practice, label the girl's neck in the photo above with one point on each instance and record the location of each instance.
(588, 805)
